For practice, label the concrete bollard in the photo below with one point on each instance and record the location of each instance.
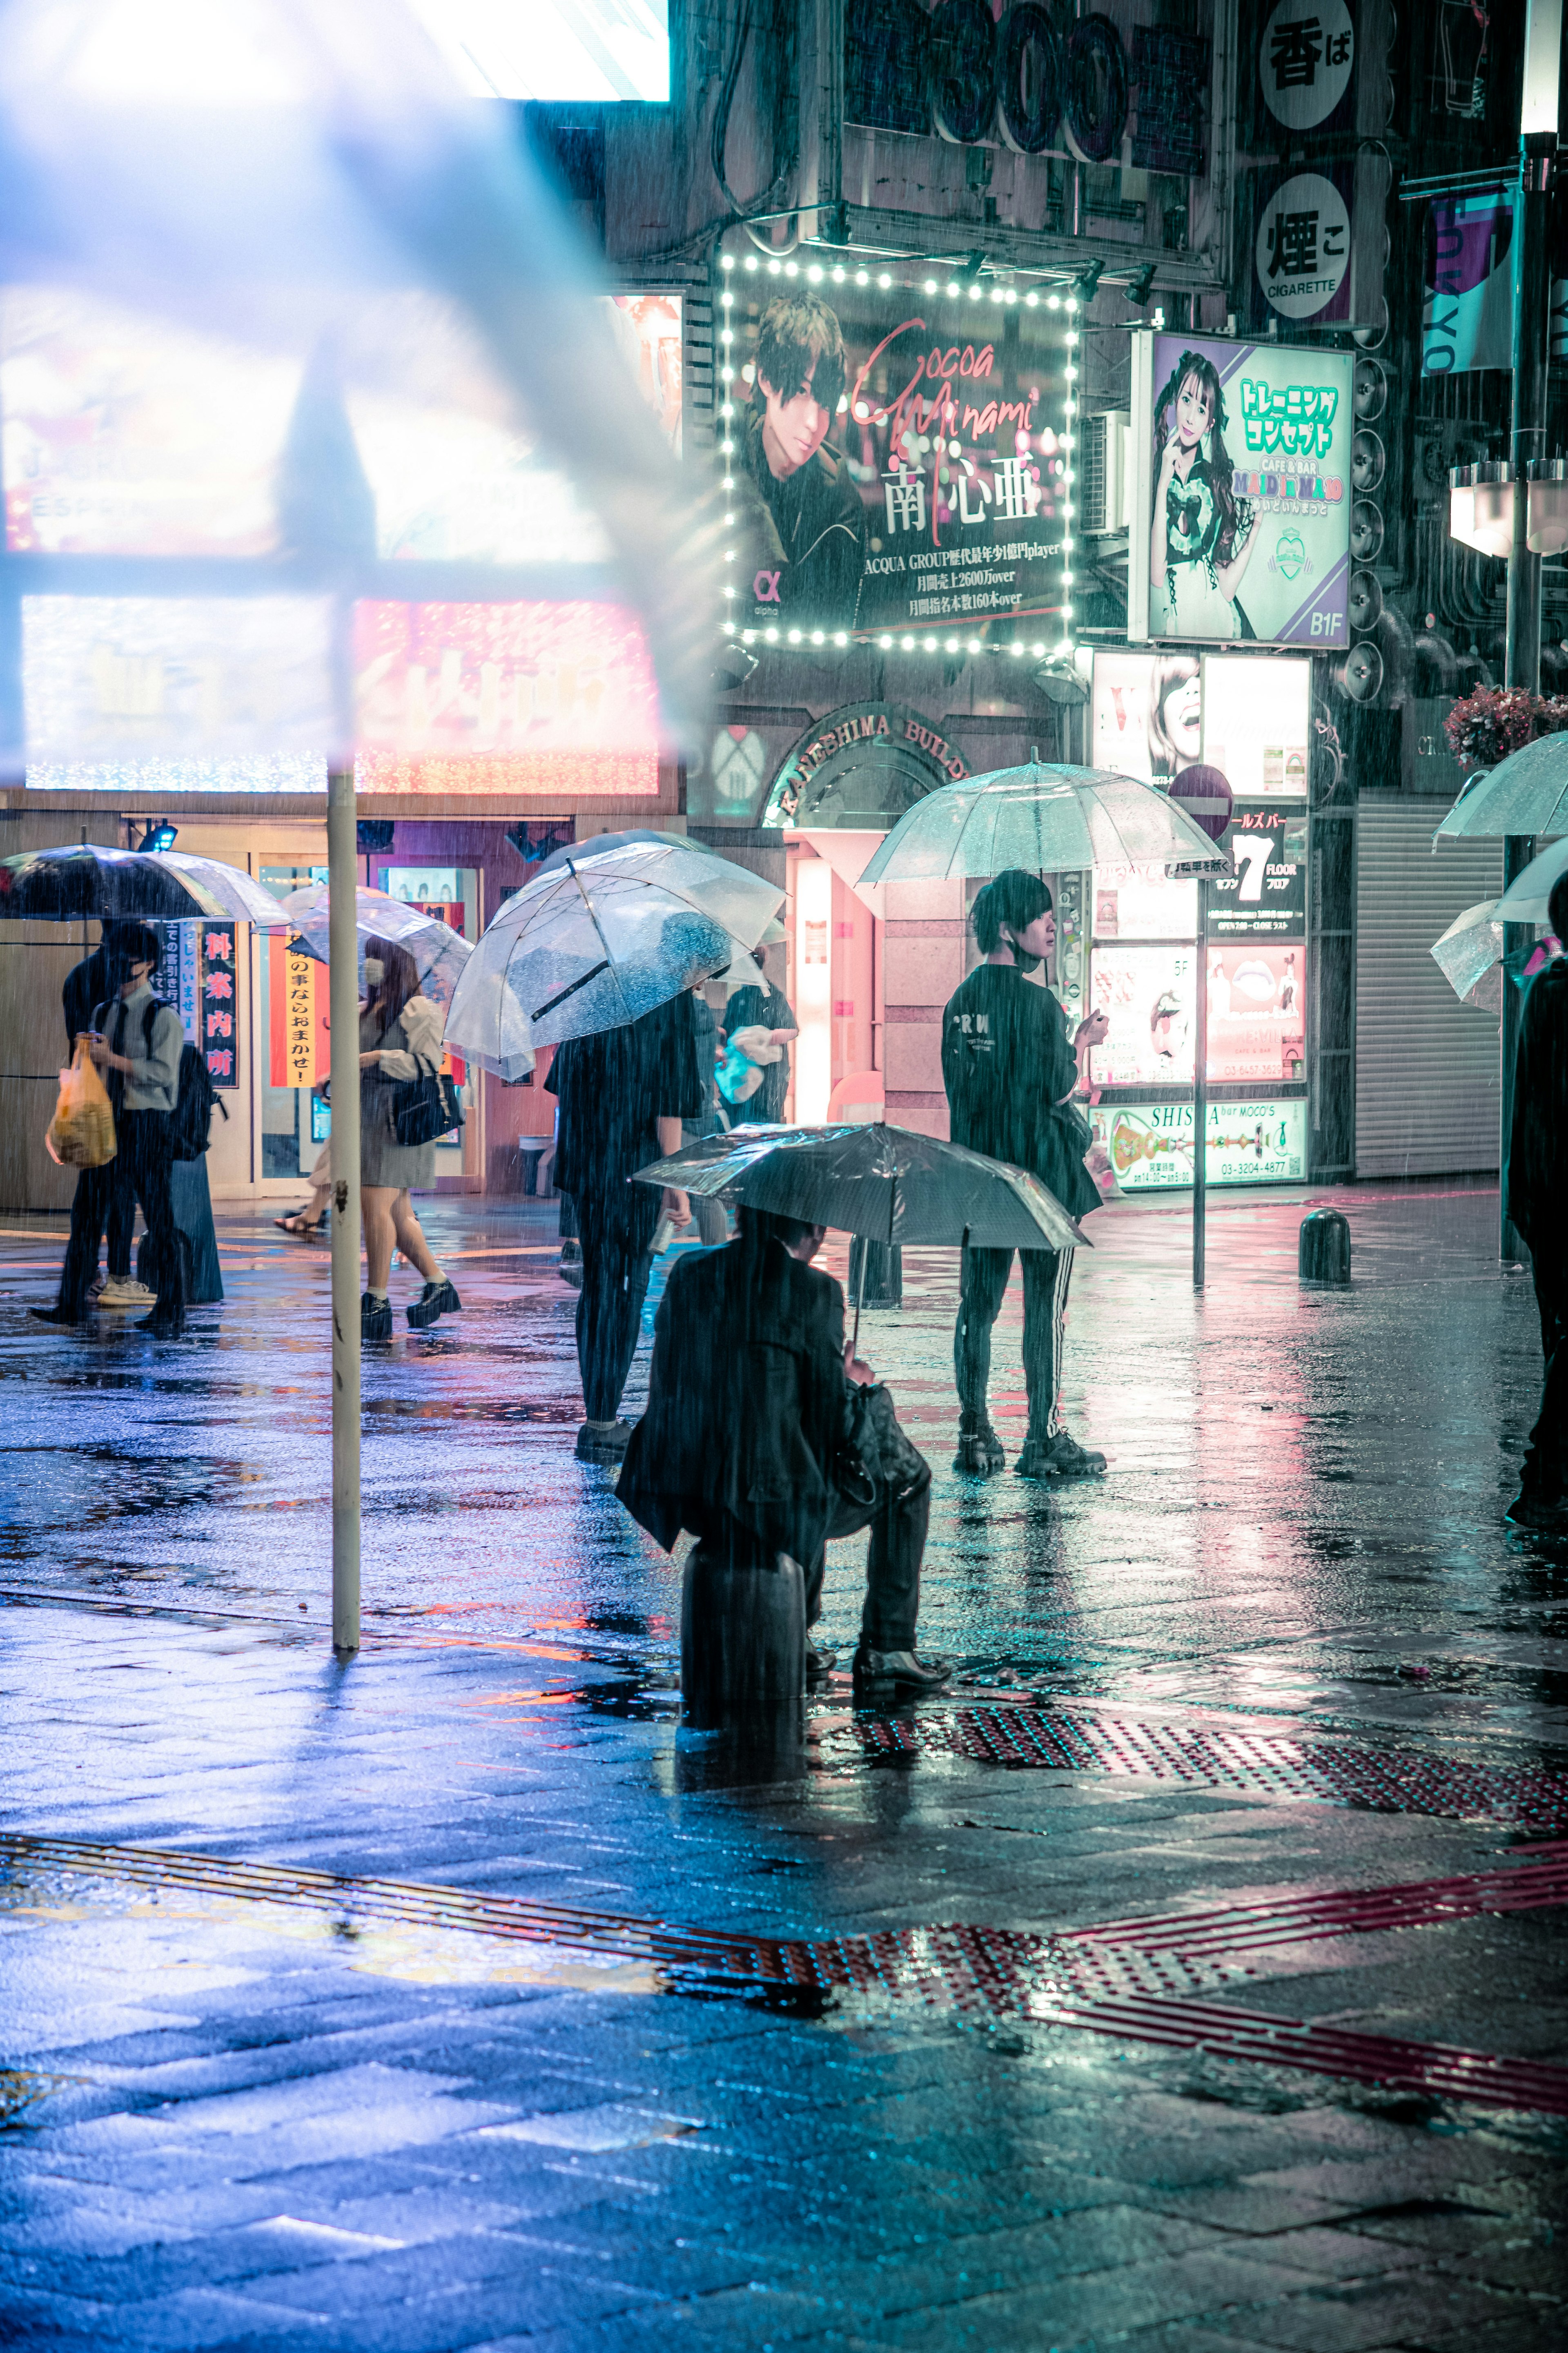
(884, 1274)
(1323, 1254)
(743, 1636)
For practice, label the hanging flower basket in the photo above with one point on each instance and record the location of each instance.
(1484, 727)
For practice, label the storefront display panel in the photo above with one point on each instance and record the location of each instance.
(1148, 994)
(1257, 1022)
(1266, 896)
(1147, 714)
(1150, 1146)
(1256, 721)
(1141, 903)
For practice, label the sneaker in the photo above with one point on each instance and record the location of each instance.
(979, 1453)
(124, 1291)
(1547, 1514)
(435, 1299)
(819, 1664)
(1061, 1457)
(374, 1319)
(899, 1667)
(603, 1441)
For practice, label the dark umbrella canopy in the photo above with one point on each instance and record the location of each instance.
(886, 1183)
(85, 880)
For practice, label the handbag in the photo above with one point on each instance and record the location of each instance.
(425, 1108)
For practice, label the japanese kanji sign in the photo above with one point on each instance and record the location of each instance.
(1242, 494)
(1305, 61)
(297, 1003)
(1303, 249)
(219, 1041)
(897, 454)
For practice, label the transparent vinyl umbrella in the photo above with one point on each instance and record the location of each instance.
(85, 880)
(1469, 956)
(439, 953)
(598, 942)
(1526, 793)
(1525, 900)
(1042, 818)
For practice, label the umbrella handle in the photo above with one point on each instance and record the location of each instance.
(859, 1295)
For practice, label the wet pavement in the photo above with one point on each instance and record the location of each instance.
(1189, 1975)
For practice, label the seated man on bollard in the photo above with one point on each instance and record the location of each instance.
(764, 1438)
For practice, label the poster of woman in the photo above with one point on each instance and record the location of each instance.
(1202, 537)
(1241, 494)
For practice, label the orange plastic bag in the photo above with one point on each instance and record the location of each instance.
(81, 1132)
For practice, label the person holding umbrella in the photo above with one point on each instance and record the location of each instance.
(1537, 1188)
(136, 1042)
(623, 1094)
(399, 1031)
(1009, 1071)
(764, 1432)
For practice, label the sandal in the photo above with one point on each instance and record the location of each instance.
(301, 1227)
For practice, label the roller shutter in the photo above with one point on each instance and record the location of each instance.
(1427, 1066)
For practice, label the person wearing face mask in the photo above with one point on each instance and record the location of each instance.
(400, 1037)
(1010, 1070)
(136, 1041)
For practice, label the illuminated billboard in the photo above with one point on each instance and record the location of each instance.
(1147, 714)
(1257, 1013)
(123, 437)
(1241, 492)
(1257, 723)
(894, 450)
(537, 698)
(183, 693)
(1150, 1146)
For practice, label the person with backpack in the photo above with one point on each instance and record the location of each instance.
(400, 1037)
(87, 985)
(138, 1044)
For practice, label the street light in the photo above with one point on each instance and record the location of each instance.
(1480, 506)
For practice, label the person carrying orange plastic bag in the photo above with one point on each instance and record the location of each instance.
(81, 1132)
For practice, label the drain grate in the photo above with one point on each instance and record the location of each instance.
(1134, 1978)
(1381, 1781)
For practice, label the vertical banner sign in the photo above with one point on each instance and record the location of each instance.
(219, 1041)
(188, 1001)
(1466, 311)
(299, 1051)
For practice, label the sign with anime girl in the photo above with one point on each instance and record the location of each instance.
(1241, 494)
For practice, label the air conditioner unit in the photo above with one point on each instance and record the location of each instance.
(1103, 474)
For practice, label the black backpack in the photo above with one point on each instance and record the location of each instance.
(190, 1122)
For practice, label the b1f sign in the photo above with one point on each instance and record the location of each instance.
(1240, 511)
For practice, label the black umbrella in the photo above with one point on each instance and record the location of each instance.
(886, 1183)
(149, 886)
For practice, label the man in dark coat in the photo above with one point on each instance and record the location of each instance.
(1537, 1202)
(755, 1435)
(623, 1096)
(1009, 1068)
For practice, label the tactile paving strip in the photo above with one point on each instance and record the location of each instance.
(1381, 1781)
(1128, 1978)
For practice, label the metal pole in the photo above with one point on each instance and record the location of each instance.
(1201, 1093)
(342, 866)
(1532, 296)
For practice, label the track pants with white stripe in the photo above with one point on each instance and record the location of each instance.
(983, 1279)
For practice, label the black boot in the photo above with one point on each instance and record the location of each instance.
(435, 1299)
(374, 1319)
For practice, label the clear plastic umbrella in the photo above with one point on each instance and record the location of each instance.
(1524, 901)
(439, 953)
(1042, 818)
(1469, 956)
(599, 942)
(84, 880)
(1526, 793)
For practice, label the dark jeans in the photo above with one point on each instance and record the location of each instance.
(1544, 1471)
(616, 1229)
(898, 1514)
(138, 1172)
(983, 1281)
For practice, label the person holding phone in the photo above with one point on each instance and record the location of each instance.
(1010, 1070)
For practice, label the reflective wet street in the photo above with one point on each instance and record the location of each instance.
(1188, 1974)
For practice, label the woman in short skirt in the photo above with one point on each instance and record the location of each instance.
(399, 1038)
